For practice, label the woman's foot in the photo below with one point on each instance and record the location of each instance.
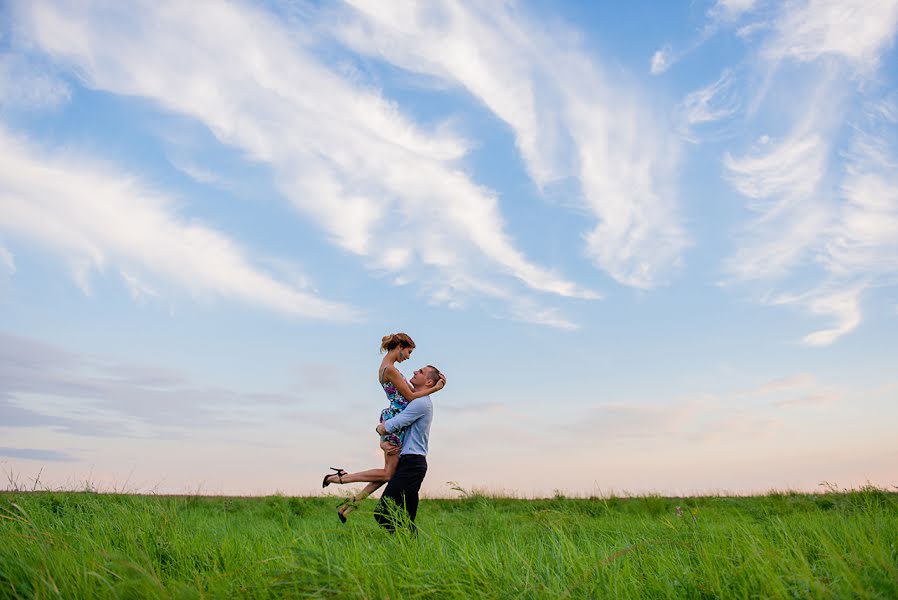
(333, 477)
(345, 508)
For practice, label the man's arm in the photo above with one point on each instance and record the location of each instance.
(412, 412)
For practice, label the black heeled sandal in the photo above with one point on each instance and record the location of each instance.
(339, 473)
(352, 502)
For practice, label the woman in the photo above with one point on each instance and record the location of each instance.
(398, 348)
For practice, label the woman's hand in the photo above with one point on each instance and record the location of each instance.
(389, 448)
(440, 384)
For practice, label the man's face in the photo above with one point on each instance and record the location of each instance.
(420, 378)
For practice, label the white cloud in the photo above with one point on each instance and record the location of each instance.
(782, 183)
(860, 250)
(661, 61)
(95, 218)
(749, 30)
(723, 14)
(197, 173)
(791, 169)
(139, 290)
(855, 240)
(865, 239)
(798, 221)
(840, 304)
(850, 230)
(731, 9)
(856, 30)
(886, 108)
(7, 262)
(527, 312)
(844, 307)
(345, 156)
(568, 116)
(715, 102)
(27, 84)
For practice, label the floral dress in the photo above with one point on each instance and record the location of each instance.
(397, 405)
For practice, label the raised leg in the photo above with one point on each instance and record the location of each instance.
(379, 476)
(383, 476)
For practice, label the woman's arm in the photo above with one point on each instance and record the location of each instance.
(393, 375)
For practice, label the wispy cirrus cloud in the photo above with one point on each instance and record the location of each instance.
(551, 317)
(346, 157)
(723, 14)
(718, 101)
(843, 306)
(729, 10)
(569, 116)
(853, 30)
(804, 218)
(865, 238)
(98, 218)
(782, 180)
(860, 250)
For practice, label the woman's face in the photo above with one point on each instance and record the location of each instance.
(404, 354)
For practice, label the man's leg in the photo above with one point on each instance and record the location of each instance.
(418, 470)
(393, 494)
(402, 490)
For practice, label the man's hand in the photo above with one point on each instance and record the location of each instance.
(380, 429)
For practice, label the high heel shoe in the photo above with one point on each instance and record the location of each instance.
(339, 473)
(351, 503)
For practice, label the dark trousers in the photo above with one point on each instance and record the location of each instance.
(403, 491)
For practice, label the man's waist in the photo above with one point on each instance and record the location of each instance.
(412, 457)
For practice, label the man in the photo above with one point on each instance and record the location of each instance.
(403, 488)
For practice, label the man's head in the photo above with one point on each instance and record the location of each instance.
(425, 376)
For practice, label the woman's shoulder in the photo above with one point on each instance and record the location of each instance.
(388, 372)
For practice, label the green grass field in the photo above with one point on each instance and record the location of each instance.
(842, 544)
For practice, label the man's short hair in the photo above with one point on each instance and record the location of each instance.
(434, 373)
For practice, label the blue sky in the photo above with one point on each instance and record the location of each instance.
(654, 248)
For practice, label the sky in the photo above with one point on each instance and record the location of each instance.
(653, 246)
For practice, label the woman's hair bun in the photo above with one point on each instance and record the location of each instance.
(388, 342)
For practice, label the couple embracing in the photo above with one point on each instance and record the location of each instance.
(404, 430)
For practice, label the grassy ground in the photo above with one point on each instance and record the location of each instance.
(87, 545)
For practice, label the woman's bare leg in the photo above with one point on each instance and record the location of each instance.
(369, 489)
(373, 475)
(390, 463)
(380, 476)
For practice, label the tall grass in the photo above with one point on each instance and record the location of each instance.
(842, 544)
